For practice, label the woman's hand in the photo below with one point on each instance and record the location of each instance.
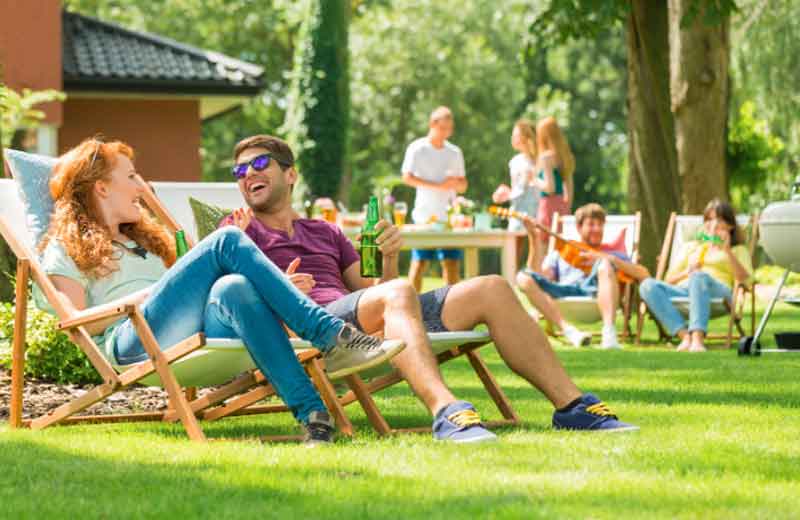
(242, 217)
(501, 194)
(303, 281)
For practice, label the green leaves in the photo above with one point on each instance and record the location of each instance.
(18, 111)
(318, 118)
(50, 355)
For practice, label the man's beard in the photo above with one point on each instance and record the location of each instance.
(273, 202)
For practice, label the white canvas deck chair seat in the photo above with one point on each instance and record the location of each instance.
(682, 229)
(172, 207)
(584, 309)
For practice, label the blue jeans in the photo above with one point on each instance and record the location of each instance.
(227, 288)
(701, 289)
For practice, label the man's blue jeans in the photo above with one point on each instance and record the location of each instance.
(701, 289)
(227, 288)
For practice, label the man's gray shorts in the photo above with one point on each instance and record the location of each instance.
(431, 303)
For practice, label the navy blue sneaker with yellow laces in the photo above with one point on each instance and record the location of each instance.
(459, 422)
(589, 413)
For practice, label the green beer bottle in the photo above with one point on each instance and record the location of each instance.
(181, 247)
(371, 256)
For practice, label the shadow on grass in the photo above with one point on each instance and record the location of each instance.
(50, 483)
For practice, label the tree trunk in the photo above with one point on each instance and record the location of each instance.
(653, 186)
(699, 98)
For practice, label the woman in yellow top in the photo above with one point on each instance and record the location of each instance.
(707, 268)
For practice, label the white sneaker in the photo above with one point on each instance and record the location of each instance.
(576, 337)
(356, 351)
(610, 338)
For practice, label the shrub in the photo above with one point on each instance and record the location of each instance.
(49, 355)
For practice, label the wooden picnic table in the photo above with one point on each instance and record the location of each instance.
(468, 240)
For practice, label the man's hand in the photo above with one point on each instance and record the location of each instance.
(303, 281)
(242, 218)
(455, 183)
(389, 240)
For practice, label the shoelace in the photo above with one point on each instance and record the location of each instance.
(363, 341)
(600, 409)
(318, 431)
(465, 418)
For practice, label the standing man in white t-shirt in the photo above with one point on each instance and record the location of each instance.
(435, 167)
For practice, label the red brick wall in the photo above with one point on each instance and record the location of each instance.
(30, 48)
(165, 134)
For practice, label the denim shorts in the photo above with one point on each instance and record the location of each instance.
(431, 304)
(587, 287)
(420, 255)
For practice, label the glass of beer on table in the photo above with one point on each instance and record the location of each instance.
(400, 212)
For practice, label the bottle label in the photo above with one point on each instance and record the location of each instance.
(371, 256)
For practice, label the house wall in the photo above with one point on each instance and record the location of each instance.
(30, 49)
(165, 134)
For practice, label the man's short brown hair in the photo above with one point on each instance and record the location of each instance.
(591, 211)
(278, 148)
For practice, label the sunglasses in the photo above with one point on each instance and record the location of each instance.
(259, 164)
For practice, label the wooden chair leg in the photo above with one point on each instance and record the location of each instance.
(18, 345)
(640, 322)
(94, 395)
(494, 390)
(374, 415)
(315, 369)
(177, 399)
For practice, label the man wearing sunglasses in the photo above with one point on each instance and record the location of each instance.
(330, 275)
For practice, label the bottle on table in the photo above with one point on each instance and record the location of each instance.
(371, 256)
(181, 247)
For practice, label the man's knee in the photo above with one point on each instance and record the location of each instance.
(400, 293)
(605, 267)
(494, 284)
(647, 287)
(525, 281)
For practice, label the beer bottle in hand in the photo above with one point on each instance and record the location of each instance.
(181, 247)
(371, 256)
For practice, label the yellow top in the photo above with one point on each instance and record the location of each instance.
(713, 259)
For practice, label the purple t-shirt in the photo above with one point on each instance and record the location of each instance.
(325, 253)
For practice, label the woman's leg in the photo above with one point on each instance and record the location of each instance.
(175, 307)
(236, 310)
(702, 289)
(657, 296)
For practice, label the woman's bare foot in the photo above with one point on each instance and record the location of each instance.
(686, 342)
(697, 346)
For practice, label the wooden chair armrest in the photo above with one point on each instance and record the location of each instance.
(93, 316)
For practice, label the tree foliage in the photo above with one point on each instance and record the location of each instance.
(318, 119)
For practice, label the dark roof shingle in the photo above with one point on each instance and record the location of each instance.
(98, 55)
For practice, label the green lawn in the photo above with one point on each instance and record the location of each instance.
(719, 439)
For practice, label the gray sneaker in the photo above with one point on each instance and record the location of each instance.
(319, 429)
(355, 351)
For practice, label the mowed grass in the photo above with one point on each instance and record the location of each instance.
(719, 439)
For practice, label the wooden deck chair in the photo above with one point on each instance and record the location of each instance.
(680, 229)
(583, 309)
(195, 361)
(232, 401)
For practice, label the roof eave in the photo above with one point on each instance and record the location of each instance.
(160, 86)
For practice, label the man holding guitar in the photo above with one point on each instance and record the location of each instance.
(578, 269)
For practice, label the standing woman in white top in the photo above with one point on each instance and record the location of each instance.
(524, 196)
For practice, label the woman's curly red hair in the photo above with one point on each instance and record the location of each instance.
(76, 222)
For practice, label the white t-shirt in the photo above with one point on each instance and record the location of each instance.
(433, 164)
(524, 197)
(134, 273)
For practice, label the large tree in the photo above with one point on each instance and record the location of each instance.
(318, 118)
(698, 56)
(677, 98)
(653, 186)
